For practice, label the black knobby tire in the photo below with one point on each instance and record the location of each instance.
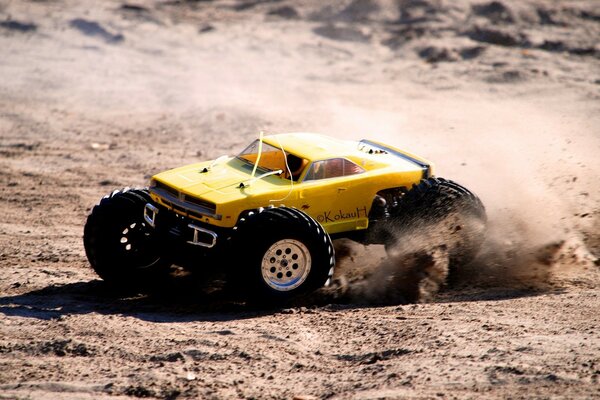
(119, 244)
(445, 213)
(279, 254)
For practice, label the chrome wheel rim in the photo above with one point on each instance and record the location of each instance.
(286, 265)
(137, 245)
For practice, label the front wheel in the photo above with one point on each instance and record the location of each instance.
(280, 254)
(120, 246)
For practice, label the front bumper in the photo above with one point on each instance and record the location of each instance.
(179, 229)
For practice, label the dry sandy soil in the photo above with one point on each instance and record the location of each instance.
(503, 96)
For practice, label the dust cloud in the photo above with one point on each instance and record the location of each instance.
(406, 276)
(540, 234)
(414, 271)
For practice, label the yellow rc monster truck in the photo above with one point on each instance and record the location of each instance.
(267, 216)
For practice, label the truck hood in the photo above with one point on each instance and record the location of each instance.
(220, 183)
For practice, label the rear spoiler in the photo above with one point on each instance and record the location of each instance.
(424, 164)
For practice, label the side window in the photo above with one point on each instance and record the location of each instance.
(332, 168)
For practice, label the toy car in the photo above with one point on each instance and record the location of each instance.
(267, 216)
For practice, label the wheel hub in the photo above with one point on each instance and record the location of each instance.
(138, 246)
(286, 264)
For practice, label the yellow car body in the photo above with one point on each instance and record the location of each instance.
(336, 185)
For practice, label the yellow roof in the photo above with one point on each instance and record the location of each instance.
(313, 146)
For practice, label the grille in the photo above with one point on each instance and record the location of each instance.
(167, 189)
(200, 202)
(184, 204)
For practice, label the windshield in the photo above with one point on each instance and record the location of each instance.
(271, 158)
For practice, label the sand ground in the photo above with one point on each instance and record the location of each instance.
(503, 96)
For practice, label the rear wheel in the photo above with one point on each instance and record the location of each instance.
(438, 212)
(121, 247)
(283, 253)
